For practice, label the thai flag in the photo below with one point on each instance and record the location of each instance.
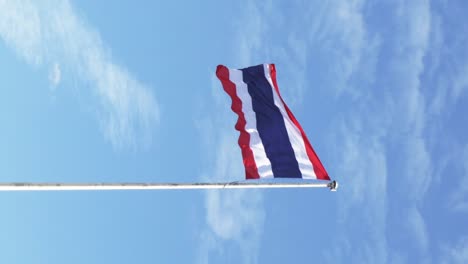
(272, 142)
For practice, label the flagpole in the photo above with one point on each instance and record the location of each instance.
(21, 186)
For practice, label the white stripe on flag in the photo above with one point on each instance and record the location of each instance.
(295, 137)
(261, 159)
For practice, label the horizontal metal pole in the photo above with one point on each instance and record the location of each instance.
(155, 186)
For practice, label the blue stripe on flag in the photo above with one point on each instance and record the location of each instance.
(270, 124)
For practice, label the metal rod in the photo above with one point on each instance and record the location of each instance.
(17, 186)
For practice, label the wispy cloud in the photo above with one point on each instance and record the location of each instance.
(417, 168)
(257, 41)
(50, 34)
(379, 121)
(363, 159)
(238, 215)
(449, 67)
(339, 40)
(55, 75)
(417, 227)
(339, 45)
(231, 215)
(343, 49)
(459, 198)
(230, 212)
(461, 81)
(338, 31)
(457, 253)
(379, 72)
(414, 30)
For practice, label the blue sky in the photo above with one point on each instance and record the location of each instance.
(93, 92)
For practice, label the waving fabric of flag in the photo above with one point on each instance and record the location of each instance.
(272, 142)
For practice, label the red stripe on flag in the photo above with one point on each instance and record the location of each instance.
(251, 170)
(319, 170)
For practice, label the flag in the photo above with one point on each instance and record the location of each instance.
(272, 142)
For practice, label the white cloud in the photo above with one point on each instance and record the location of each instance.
(335, 38)
(236, 215)
(459, 198)
(338, 43)
(343, 49)
(363, 166)
(412, 40)
(207, 244)
(456, 254)
(417, 169)
(250, 35)
(378, 123)
(449, 67)
(257, 41)
(417, 227)
(50, 34)
(234, 218)
(414, 29)
(339, 40)
(233, 215)
(21, 28)
(460, 82)
(388, 111)
(55, 75)
(231, 211)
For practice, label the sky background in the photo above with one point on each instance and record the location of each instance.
(94, 92)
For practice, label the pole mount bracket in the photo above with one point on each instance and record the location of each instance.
(333, 186)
